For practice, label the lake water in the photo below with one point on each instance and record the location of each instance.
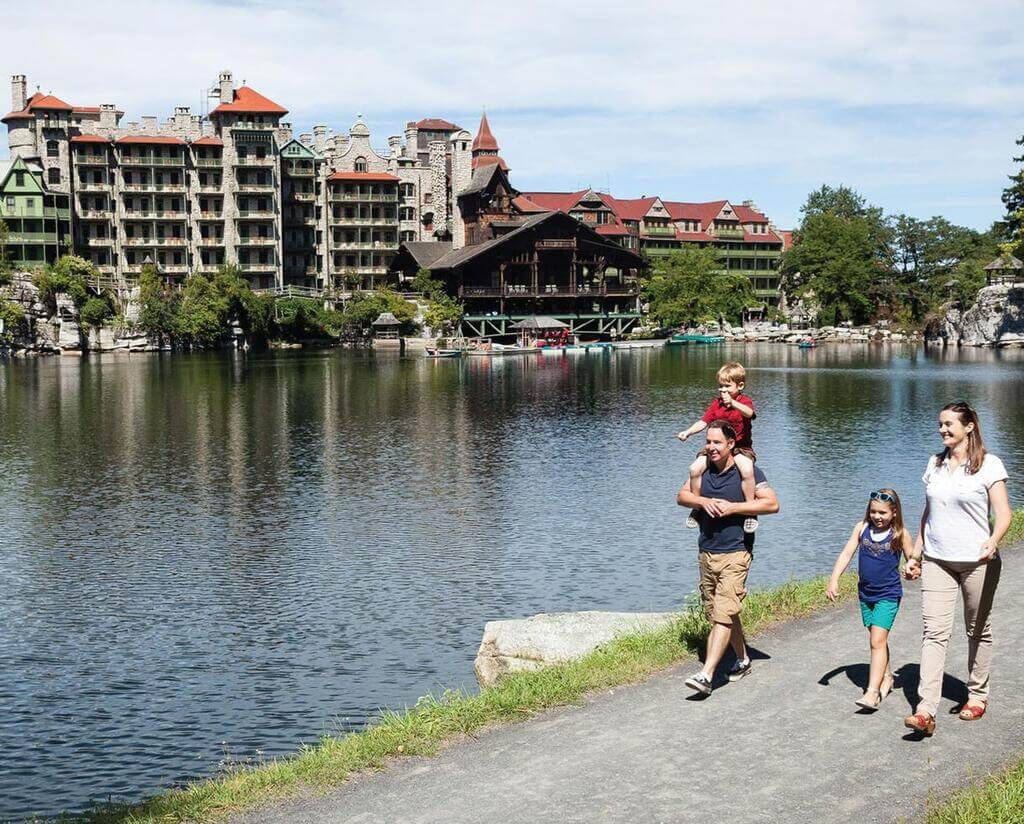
(216, 557)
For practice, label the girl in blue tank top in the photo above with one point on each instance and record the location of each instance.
(878, 540)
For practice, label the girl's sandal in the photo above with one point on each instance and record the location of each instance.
(866, 702)
(921, 721)
(971, 712)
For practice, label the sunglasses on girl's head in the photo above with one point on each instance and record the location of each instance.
(884, 497)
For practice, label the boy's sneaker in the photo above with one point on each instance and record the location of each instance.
(692, 522)
(699, 683)
(739, 670)
(750, 525)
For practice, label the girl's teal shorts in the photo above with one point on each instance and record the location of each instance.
(880, 614)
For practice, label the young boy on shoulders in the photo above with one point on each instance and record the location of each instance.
(738, 409)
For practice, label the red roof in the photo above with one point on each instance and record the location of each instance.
(489, 160)
(767, 237)
(704, 213)
(554, 201)
(525, 203)
(39, 101)
(208, 141)
(89, 138)
(484, 140)
(357, 177)
(86, 109)
(786, 236)
(748, 215)
(436, 124)
(150, 140)
(250, 100)
(634, 209)
(612, 229)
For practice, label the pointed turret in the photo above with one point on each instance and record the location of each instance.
(485, 147)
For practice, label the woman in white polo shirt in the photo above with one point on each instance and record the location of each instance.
(960, 555)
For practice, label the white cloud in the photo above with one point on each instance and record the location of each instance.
(605, 87)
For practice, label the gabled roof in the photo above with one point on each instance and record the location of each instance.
(86, 109)
(524, 203)
(704, 213)
(483, 176)
(46, 102)
(89, 138)
(296, 148)
(749, 215)
(554, 201)
(150, 140)
(371, 177)
(208, 141)
(251, 101)
(425, 253)
(489, 160)
(436, 124)
(634, 209)
(19, 164)
(459, 257)
(612, 229)
(484, 140)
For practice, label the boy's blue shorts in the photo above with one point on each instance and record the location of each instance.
(880, 614)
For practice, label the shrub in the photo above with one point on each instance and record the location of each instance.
(95, 310)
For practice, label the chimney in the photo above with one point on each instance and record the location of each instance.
(395, 145)
(227, 87)
(149, 124)
(319, 136)
(411, 139)
(108, 115)
(306, 139)
(19, 92)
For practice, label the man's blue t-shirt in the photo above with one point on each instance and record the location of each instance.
(725, 534)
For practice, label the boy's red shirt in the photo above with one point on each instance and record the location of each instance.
(718, 411)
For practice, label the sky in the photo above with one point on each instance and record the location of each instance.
(915, 104)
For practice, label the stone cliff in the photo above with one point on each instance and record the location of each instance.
(996, 319)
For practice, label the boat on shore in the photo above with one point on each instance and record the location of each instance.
(639, 344)
(497, 350)
(683, 338)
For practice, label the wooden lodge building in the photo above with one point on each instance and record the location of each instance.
(505, 264)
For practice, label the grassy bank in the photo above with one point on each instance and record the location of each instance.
(435, 720)
(1000, 798)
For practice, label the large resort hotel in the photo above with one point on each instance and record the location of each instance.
(330, 214)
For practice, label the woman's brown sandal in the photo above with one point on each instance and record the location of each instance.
(921, 721)
(971, 712)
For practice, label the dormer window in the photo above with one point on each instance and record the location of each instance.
(360, 165)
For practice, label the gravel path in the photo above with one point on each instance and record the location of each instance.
(783, 745)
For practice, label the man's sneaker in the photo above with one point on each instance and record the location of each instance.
(692, 522)
(739, 670)
(699, 683)
(750, 525)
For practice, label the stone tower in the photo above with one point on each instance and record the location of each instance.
(462, 174)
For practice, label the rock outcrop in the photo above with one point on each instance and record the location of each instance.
(554, 638)
(996, 319)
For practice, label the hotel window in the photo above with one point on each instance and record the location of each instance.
(52, 149)
(360, 165)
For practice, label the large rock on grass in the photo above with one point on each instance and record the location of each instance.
(554, 638)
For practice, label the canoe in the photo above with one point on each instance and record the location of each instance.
(444, 353)
(679, 340)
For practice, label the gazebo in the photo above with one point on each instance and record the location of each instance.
(1005, 269)
(386, 326)
(538, 324)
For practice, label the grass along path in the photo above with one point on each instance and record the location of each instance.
(436, 720)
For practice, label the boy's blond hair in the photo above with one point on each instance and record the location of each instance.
(733, 372)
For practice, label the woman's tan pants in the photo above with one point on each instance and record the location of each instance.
(940, 583)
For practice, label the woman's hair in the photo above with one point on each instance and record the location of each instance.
(724, 427)
(975, 443)
(900, 536)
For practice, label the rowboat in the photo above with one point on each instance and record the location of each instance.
(444, 353)
(807, 344)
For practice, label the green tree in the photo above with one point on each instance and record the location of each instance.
(443, 315)
(689, 286)
(366, 307)
(203, 313)
(158, 306)
(427, 285)
(1012, 226)
(13, 320)
(70, 276)
(95, 311)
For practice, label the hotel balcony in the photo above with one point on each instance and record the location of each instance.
(255, 214)
(364, 221)
(355, 197)
(91, 159)
(258, 267)
(154, 241)
(32, 237)
(98, 241)
(151, 160)
(92, 186)
(254, 162)
(728, 234)
(213, 241)
(207, 162)
(304, 220)
(243, 188)
(154, 187)
(294, 170)
(210, 188)
(136, 214)
(658, 231)
(256, 241)
(550, 290)
(210, 217)
(252, 126)
(95, 214)
(367, 245)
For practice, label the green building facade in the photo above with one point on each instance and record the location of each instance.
(38, 221)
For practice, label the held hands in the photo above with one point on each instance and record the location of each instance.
(989, 549)
(912, 570)
(717, 507)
